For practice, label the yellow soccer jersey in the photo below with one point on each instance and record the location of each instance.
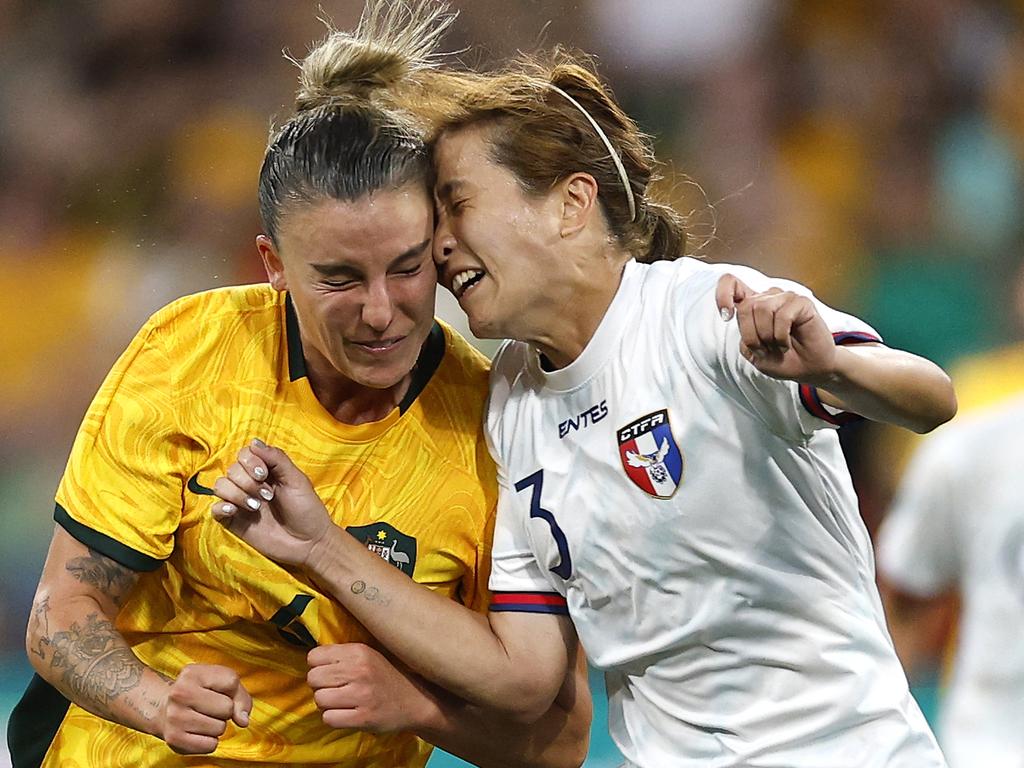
(204, 376)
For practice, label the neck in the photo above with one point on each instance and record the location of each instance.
(352, 403)
(578, 305)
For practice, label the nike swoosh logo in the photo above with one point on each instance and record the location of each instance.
(195, 487)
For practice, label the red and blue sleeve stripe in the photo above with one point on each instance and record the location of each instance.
(809, 395)
(529, 602)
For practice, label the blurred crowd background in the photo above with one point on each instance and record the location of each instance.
(872, 150)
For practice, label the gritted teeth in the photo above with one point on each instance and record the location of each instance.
(464, 279)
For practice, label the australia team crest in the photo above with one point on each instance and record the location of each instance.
(650, 456)
(389, 543)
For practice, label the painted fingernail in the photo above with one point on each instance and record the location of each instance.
(258, 443)
(228, 508)
(260, 472)
(266, 493)
(726, 314)
(252, 503)
(243, 719)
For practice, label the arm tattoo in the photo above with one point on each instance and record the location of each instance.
(371, 594)
(95, 664)
(112, 579)
(39, 626)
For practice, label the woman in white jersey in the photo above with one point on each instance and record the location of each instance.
(672, 487)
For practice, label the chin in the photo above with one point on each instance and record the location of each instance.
(486, 328)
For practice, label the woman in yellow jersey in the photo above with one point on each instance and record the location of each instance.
(157, 635)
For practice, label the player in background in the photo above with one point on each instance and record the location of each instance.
(154, 631)
(957, 525)
(671, 484)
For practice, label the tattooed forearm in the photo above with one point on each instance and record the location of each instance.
(371, 594)
(95, 664)
(111, 578)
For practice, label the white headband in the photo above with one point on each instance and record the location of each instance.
(611, 151)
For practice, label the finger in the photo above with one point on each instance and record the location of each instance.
(343, 718)
(745, 324)
(342, 697)
(282, 470)
(229, 492)
(328, 676)
(325, 654)
(190, 699)
(223, 512)
(238, 475)
(729, 292)
(242, 702)
(191, 744)
(253, 464)
(199, 724)
(784, 320)
(764, 308)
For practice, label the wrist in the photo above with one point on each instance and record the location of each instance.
(834, 378)
(323, 551)
(429, 718)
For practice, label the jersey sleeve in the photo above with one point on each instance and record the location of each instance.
(517, 583)
(919, 540)
(787, 407)
(121, 493)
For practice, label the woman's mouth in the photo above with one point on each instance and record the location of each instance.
(465, 280)
(381, 346)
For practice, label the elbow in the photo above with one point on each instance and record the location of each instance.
(34, 645)
(943, 410)
(528, 709)
(529, 699)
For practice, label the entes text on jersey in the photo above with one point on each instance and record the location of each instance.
(592, 415)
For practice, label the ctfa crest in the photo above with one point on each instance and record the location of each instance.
(389, 543)
(650, 456)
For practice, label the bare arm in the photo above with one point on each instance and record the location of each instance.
(355, 686)
(783, 336)
(889, 385)
(73, 645)
(510, 662)
(72, 642)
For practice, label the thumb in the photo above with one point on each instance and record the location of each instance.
(242, 706)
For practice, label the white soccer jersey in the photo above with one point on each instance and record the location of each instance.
(700, 525)
(958, 521)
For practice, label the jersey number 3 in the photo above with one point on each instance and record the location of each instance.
(536, 483)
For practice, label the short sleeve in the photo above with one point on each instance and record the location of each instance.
(788, 408)
(517, 582)
(919, 538)
(121, 493)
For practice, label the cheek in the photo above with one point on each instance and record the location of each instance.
(417, 294)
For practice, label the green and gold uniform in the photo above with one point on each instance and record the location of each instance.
(202, 378)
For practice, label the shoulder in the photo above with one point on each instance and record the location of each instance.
(508, 368)
(452, 404)
(200, 318)
(462, 373)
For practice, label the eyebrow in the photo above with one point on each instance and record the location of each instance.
(348, 270)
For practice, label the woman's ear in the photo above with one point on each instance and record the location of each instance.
(579, 202)
(271, 262)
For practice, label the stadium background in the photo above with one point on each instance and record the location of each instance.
(872, 150)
